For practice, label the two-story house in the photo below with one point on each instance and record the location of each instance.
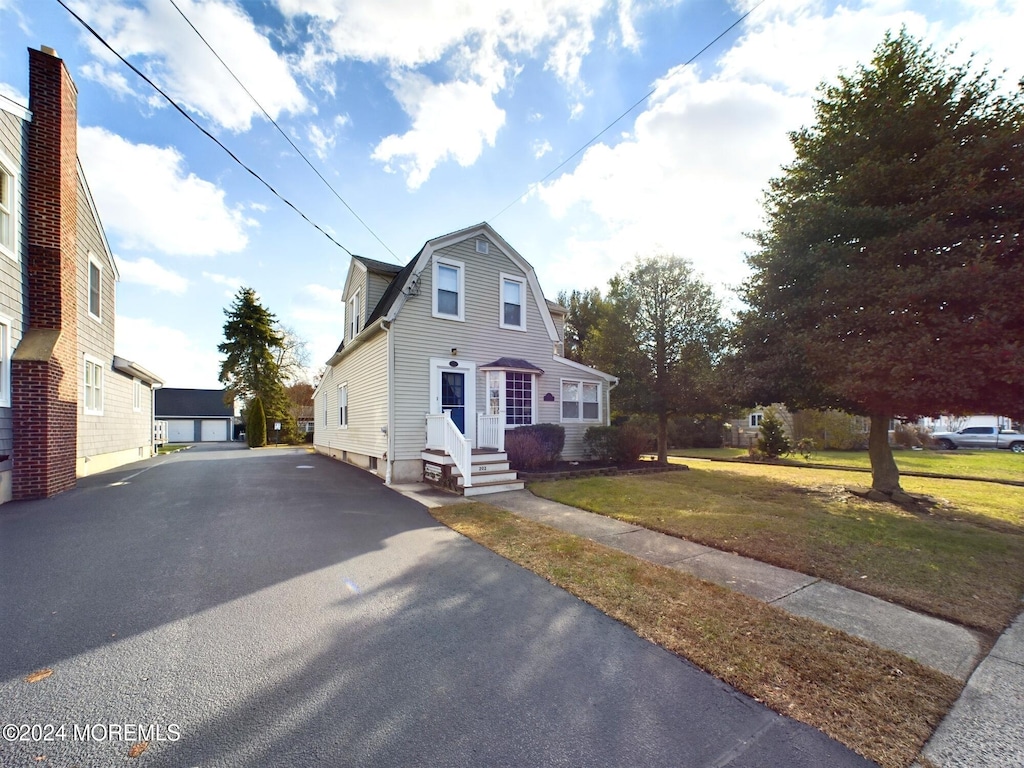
(442, 356)
(68, 405)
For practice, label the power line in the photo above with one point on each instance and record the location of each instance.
(279, 129)
(209, 135)
(633, 106)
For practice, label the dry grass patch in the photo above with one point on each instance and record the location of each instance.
(962, 560)
(881, 704)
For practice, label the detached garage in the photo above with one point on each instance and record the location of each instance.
(195, 415)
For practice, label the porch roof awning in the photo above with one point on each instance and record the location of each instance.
(511, 364)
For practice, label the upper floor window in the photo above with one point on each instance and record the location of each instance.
(343, 405)
(136, 395)
(756, 419)
(353, 316)
(95, 286)
(482, 246)
(449, 289)
(513, 304)
(5, 362)
(93, 387)
(581, 400)
(8, 210)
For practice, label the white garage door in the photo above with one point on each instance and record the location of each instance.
(181, 431)
(214, 430)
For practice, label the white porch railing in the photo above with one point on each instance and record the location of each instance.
(443, 435)
(490, 431)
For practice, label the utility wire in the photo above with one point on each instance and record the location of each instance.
(279, 129)
(633, 106)
(209, 135)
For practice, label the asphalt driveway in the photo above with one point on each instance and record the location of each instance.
(272, 608)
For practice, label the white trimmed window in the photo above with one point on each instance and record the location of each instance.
(449, 289)
(343, 405)
(756, 419)
(5, 362)
(482, 246)
(136, 395)
(513, 302)
(581, 400)
(93, 395)
(513, 393)
(95, 287)
(8, 209)
(325, 406)
(353, 316)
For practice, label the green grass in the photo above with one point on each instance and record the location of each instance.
(990, 465)
(171, 447)
(962, 560)
(879, 703)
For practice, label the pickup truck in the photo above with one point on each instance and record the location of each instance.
(981, 437)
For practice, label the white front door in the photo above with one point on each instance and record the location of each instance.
(453, 389)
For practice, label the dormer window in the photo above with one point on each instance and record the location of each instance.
(513, 302)
(449, 289)
(353, 316)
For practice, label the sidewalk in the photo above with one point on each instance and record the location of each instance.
(985, 726)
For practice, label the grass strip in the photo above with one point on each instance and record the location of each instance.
(963, 560)
(881, 704)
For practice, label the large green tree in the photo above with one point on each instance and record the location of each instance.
(661, 335)
(887, 280)
(251, 345)
(587, 311)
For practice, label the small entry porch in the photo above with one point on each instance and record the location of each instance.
(450, 460)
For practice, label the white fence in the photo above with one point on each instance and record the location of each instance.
(490, 431)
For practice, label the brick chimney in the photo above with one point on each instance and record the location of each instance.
(45, 365)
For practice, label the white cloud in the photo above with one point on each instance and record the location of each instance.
(108, 77)
(145, 271)
(541, 148)
(150, 202)
(174, 56)
(169, 352)
(480, 44)
(318, 316)
(450, 121)
(232, 284)
(8, 90)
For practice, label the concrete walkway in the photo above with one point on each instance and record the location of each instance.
(985, 726)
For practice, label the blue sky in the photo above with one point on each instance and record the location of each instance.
(428, 116)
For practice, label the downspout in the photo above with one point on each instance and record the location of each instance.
(386, 326)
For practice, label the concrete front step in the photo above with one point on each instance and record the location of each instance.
(484, 476)
(480, 489)
(491, 466)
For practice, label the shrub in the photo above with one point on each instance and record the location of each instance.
(551, 438)
(256, 426)
(772, 441)
(831, 430)
(601, 443)
(631, 442)
(525, 450)
(911, 436)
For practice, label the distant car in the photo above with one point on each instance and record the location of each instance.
(980, 437)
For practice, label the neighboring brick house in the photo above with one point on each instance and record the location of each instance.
(68, 406)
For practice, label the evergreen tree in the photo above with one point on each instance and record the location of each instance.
(251, 345)
(886, 281)
(256, 426)
(772, 440)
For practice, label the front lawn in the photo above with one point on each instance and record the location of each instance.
(962, 560)
(992, 465)
(879, 703)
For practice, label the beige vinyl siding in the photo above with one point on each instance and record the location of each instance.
(12, 271)
(375, 287)
(120, 428)
(365, 370)
(479, 339)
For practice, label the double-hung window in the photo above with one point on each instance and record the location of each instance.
(343, 405)
(353, 316)
(581, 400)
(449, 289)
(93, 404)
(136, 395)
(756, 419)
(8, 210)
(95, 287)
(513, 302)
